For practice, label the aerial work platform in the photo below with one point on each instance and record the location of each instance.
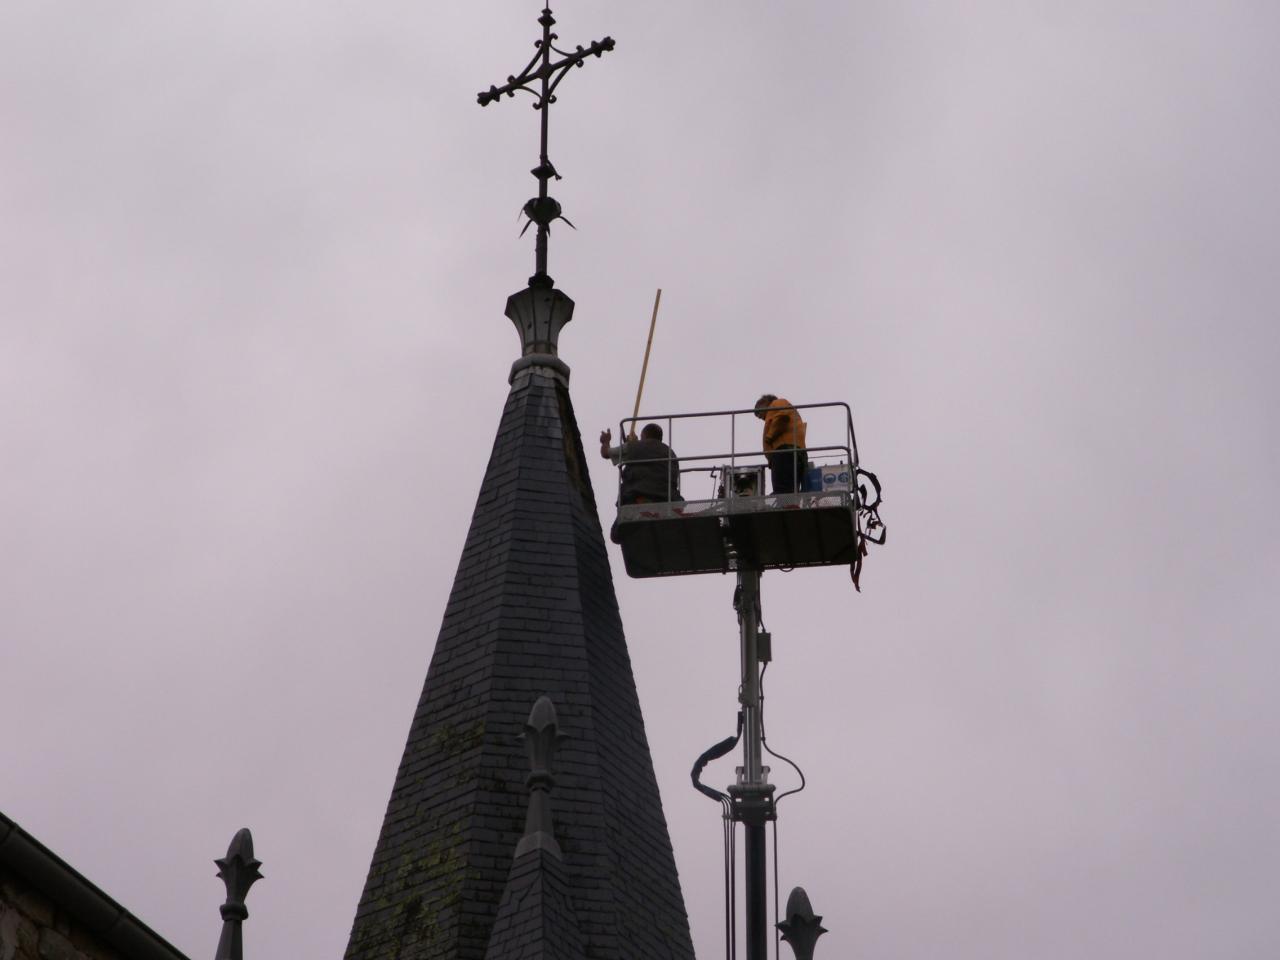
(804, 503)
(739, 526)
(718, 536)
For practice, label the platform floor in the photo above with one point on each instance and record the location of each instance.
(770, 532)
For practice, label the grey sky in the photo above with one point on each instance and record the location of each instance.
(253, 259)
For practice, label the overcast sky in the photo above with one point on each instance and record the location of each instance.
(253, 262)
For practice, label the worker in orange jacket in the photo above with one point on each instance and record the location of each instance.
(784, 442)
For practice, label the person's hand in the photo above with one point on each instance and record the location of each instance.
(605, 437)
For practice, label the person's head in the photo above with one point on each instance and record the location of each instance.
(763, 404)
(651, 431)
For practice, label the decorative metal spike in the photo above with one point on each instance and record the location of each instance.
(542, 210)
(802, 928)
(238, 871)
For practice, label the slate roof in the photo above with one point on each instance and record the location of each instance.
(536, 918)
(532, 612)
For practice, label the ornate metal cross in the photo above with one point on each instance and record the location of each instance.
(547, 74)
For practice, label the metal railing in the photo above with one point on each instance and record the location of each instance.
(704, 428)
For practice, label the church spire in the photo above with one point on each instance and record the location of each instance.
(532, 609)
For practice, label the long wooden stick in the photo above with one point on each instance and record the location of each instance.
(653, 321)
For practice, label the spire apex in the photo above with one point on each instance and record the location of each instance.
(539, 79)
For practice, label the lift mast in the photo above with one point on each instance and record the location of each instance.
(752, 796)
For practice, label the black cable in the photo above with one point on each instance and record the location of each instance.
(733, 886)
(764, 742)
(714, 752)
(728, 883)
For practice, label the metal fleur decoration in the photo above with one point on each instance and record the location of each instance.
(539, 79)
(541, 737)
(802, 928)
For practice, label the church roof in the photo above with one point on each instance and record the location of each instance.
(532, 612)
(31, 865)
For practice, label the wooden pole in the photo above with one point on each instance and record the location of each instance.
(644, 369)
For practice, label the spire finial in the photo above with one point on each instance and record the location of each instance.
(801, 929)
(541, 736)
(238, 870)
(546, 74)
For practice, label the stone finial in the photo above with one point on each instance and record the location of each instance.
(238, 870)
(541, 735)
(802, 928)
(539, 313)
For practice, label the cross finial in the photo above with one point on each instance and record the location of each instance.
(546, 74)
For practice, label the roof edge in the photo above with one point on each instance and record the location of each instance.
(82, 901)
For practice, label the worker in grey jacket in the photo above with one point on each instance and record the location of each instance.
(650, 470)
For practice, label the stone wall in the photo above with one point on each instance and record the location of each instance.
(32, 928)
